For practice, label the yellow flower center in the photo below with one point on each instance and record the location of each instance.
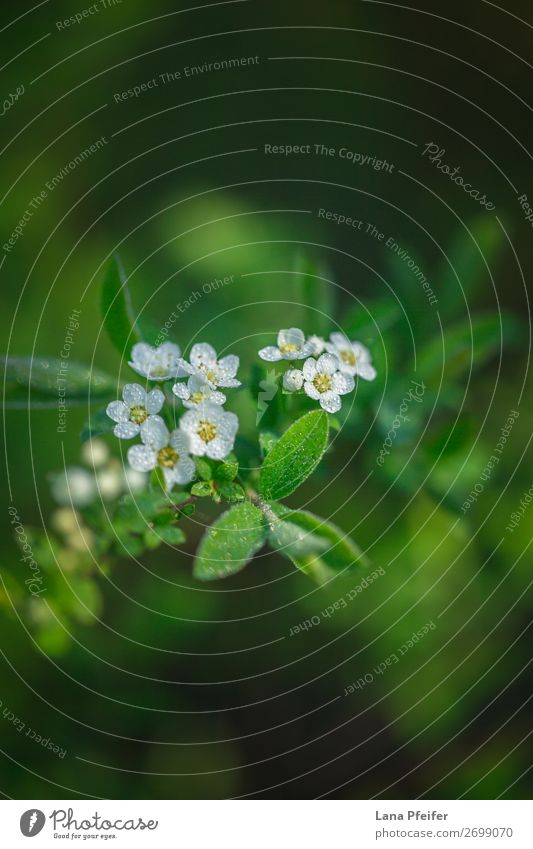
(209, 373)
(348, 357)
(197, 397)
(206, 431)
(168, 457)
(138, 414)
(288, 348)
(322, 382)
(157, 371)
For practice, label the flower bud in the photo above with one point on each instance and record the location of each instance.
(95, 453)
(74, 486)
(293, 380)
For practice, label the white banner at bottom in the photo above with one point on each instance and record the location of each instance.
(262, 824)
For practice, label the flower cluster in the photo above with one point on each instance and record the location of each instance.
(329, 370)
(205, 429)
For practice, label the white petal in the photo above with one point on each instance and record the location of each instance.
(189, 422)
(142, 458)
(366, 371)
(185, 366)
(292, 336)
(185, 470)
(180, 441)
(139, 368)
(141, 352)
(181, 390)
(229, 423)
(118, 411)
(197, 383)
(169, 476)
(342, 383)
(311, 390)
(229, 365)
(217, 398)
(203, 354)
(169, 350)
(126, 430)
(308, 350)
(228, 382)
(271, 354)
(330, 402)
(197, 446)
(154, 432)
(220, 447)
(317, 345)
(339, 340)
(154, 401)
(134, 395)
(361, 353)
(327, 364)
(309, 369)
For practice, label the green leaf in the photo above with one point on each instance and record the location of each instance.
(466, 346)
(267, 440)
(201, 489)
(470, 264)
(227, 469)
(313, 287)
(171, 534)
(46, 374)
(232, 491)
(230, 543)
(117, 309)
(204, 468)
(98, 424)
(369, 324)
(163, 533)
(295, 456)
(152, 539)
(316, 546)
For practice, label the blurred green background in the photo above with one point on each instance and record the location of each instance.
(158, 686)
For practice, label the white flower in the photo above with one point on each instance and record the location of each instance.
(293, 380)
(354, 358)
(211, 431)
(325, 383)
(95, 453)
(74, 486)
(134, 410)
(110, 480)
(204, 364)
(169, 451)
(197, 391)
(291, 346)
(133, 481)
(318, 346)
(159, 363)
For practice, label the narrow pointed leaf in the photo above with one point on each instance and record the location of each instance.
(117, 309)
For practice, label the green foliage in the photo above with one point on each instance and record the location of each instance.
(468, 344)
(316, 546)
(295, 456)
(36, 378)
(202, 489)
(267, 440)
(230, 543)
(98, 424)
(116, 307)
